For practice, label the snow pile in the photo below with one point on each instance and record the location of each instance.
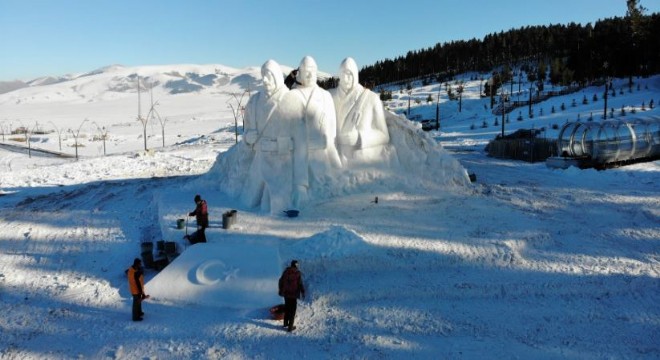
(334, 244)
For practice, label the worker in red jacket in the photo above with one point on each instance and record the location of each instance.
(135, 275)
(201, 213)
(291, 288)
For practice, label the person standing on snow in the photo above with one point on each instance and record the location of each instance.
(135, 275)
(201, 213)
(291, 288)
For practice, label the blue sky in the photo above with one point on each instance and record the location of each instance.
(56, 37)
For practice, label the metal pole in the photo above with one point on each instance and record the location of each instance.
(27, 138)
(530, 99)
(409, 96)
(502, 111)
(605, 101)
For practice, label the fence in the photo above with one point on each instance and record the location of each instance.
(540, 96)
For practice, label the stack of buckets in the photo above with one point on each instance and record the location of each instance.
(147, 252)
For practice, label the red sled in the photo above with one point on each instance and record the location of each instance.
(277, 312)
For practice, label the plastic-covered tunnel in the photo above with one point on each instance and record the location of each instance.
(611, 141)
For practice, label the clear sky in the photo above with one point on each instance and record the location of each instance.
(56, 37)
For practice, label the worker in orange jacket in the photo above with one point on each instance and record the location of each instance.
(135, 275)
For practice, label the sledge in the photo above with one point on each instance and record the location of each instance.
(277, 312)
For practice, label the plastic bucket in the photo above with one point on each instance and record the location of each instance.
(229, 218)
(148, 259)
(291, 213)
(146, 247)
(170, 247)
(233, 216)
(180, 223)
(160, 245)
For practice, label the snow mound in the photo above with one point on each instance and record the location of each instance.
(333, 244)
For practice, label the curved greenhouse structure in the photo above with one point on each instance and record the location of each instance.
(611, 141)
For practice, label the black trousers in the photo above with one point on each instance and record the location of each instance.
(137, 307)
(198, 236)
(201, 234)
(290, 306)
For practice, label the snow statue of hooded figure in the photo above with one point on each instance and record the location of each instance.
(270, 128)
(361, 128)
(318, 116)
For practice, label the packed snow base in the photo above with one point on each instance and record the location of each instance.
(529, 263)
(536, 263)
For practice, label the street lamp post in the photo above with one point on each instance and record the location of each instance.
(503, 108)
(605, 94)
(409, 96)
(519, 84)
(437, 111)
(531, 89)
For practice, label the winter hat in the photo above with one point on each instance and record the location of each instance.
(197, 198)
(137, 262)
(294, 263)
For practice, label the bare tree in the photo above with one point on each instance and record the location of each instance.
(59, 133)
(2, 128)
(103, 133)
(153, 113)
(76, 134)
(27, 132)
(238, 110)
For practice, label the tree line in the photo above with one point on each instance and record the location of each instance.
(620, 47)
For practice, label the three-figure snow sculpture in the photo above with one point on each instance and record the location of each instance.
(306, 142)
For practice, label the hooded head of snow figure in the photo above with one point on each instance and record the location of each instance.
(348, 75)
(307, 73)
(272, 76)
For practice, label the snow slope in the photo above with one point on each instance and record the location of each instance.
(528, 262)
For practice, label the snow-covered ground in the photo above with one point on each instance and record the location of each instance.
(527, 262)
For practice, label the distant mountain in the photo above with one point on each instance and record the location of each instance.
(116, 81)
(7, 86)
(48, 80)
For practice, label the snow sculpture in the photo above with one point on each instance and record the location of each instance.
(271, 120)
(319, 119)
(361, 127)
(290, 144)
